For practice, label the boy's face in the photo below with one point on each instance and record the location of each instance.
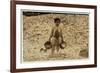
(57, 23)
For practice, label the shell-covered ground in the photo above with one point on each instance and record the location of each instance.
(36, 31)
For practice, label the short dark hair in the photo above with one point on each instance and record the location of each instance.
(57, 19)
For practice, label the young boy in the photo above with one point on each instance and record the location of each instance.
(56, 37)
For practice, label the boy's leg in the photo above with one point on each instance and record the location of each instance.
(52, 50)
(53, 42)
(57, 46)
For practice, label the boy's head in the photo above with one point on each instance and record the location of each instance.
(57, 21)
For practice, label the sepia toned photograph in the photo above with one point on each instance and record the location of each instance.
(50, 36)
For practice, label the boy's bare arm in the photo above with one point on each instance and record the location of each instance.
(61, 35)
(51, 34)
